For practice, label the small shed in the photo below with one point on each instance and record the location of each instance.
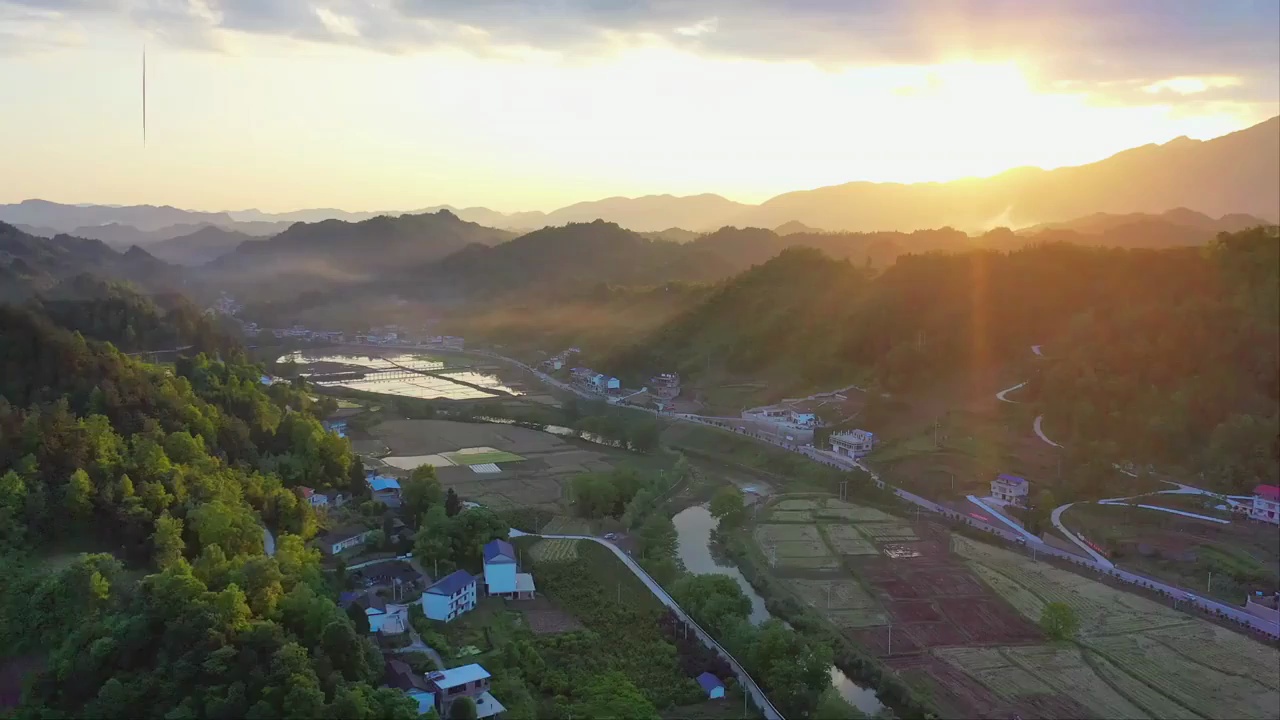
(711, 685)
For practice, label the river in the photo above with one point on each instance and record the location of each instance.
(693, 529)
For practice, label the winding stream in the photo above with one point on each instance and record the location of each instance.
(693, 530)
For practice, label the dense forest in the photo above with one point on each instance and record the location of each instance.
(174, 471)
(1157, 356)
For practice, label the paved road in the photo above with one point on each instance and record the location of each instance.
(419, 646)
(762, 701)
(1001, 395)
(1056, 517)
(1040, 432)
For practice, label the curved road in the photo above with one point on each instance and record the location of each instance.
(762, 701)
(1040, 432)
(1001, 395)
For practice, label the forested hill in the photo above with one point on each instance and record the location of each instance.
(29, 263)
(172, 469)
(1161, 351)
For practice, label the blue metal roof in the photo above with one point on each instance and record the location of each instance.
(1012, 479)
(499, 551)
(454, 677)
(382, 482)
(709, 682)
(450, 584)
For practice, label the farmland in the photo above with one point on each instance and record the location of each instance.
(958, 620)
(534, 466)
(1136, 658)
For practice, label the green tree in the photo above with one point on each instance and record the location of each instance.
(432, 546)
(464, 708)
(167, 544)
(644, 435)
(359, 619)
(452, 503)
(1059, 621)
(613, 695)
(78, 495)
(727, 503)
(420, 492)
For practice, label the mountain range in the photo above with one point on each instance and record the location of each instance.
(1235, 173)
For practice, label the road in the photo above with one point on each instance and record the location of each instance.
(1040, 432)
(762, 701)
(1056, 517)
(1001, 395)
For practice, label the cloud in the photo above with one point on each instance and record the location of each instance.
(1066, 44)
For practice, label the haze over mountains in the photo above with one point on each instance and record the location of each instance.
(1235, 173)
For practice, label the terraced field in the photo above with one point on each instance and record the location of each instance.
(886, 532)
(846, 540)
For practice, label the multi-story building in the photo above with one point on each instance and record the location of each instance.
(1011, 489)
(1266, 504)
(852, 443)
(335, 540)
(450, 596)
(467, 681)
(500, 572)
(665, 387)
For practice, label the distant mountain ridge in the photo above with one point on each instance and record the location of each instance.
(1235, 173)
(30, 264)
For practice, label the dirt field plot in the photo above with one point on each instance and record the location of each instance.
(481, 455)
(557, 550)
(853, 513)
(770, 537)
(809, 563)
(790, 516)
(845, 540)
(797, 504)
(914, 611)
(544, 618)
(877, 639)
(886, 532)
(566, 525)
(990, 667)
(955, 694)
(987, 620)
(852, 619)
(943, 581)
(833, 594)
(935, 634)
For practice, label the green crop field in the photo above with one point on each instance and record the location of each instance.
(886, 532)
(1064, 669)
(478, 458)
(990, 667)
(797, 504)
(845, 540)
(557, 550)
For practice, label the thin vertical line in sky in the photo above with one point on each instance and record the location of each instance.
(144, 95)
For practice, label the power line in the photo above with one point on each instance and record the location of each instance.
(144, 95)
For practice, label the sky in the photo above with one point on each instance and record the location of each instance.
(536, 104)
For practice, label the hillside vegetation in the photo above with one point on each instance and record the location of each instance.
(1160, 355)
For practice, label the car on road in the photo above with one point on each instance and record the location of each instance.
(610, 536)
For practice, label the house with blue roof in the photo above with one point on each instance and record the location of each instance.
(450, 596)
(711, 685)
(1010, 489)
(500, 576)
(386, 489)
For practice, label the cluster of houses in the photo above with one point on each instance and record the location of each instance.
(595, 382)
(780, 423)
(559, 360)
(444, 600)
(396, 335)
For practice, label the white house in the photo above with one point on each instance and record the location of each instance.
(386, 618)
(1011, 489)
(1266, 504)
(450, 596)
(465, 681)
(338, 539)
(499, 568)
(853, 443)
(613, 383)
(315, 499)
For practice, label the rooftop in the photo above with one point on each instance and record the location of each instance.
(497, 551)
(709, 682)
(305, 491)
(400, 675)
(1270, 492)
(488, 706)
(382, 482)
(454, 677)
(450, 584)
(854, 435)
(524, 583)
(1011, 479)
(343, 532)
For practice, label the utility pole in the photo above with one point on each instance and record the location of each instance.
(890, 639)
(1209, 587)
